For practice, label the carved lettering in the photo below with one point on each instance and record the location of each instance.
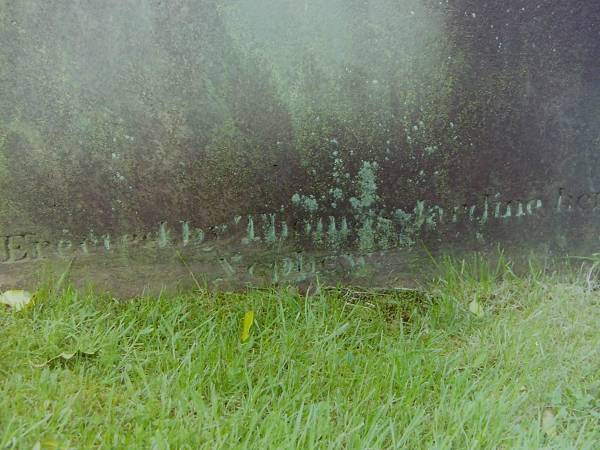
(378, 230)
(18, 248)
(65, 248)
(4, 254)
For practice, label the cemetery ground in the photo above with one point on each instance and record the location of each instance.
(481, 357)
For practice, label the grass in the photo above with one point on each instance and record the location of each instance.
(342, 369)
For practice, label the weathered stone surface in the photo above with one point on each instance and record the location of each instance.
(252, 142)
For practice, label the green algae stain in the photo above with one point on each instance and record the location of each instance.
(269, 228)
(306, 202)
(337, 238)
(364, 203)
(250, 235)
(367, 189)
(185, 233)
(386, 235)
(366, 235)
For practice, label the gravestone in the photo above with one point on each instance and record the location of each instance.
(146, 144)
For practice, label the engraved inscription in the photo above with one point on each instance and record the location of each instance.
(370, 232)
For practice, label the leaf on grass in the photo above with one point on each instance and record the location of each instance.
(80, 353)
(248, 321)
(68, 356)
(46, 444)
(50, 444)
(476, 308)
(549, 422)
(16, 299)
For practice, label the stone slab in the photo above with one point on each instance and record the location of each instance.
(146, 144)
